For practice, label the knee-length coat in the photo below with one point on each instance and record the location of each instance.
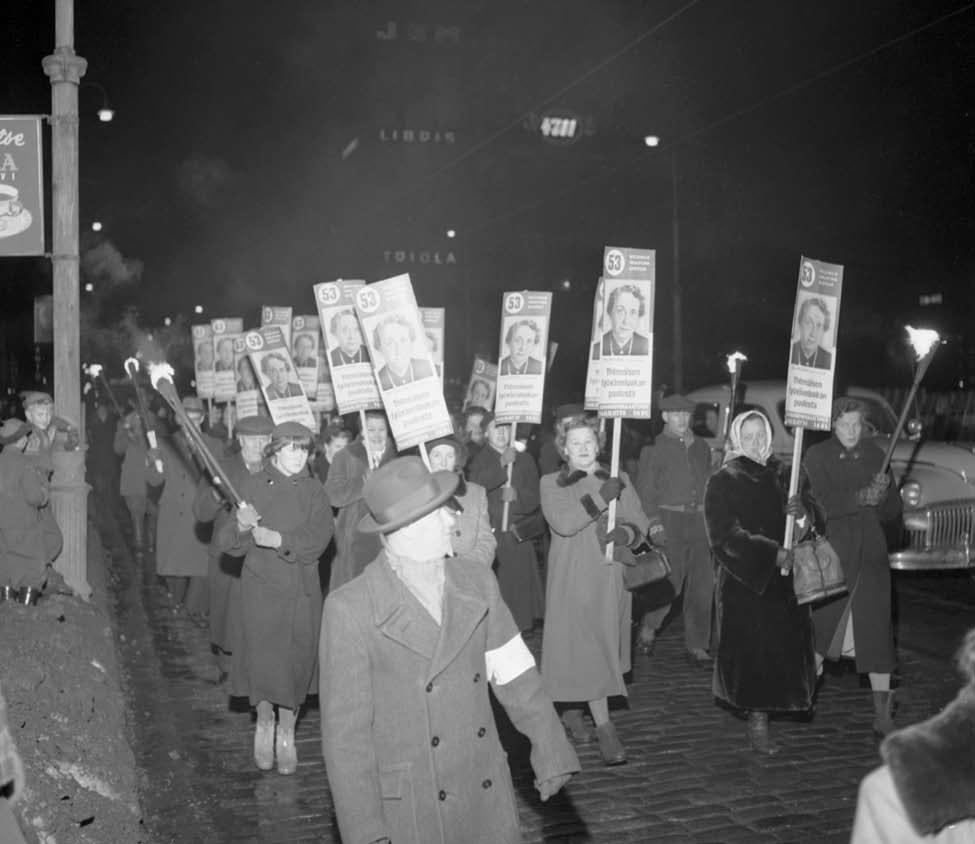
(835, 475)
(408, 733)
(473, 537)
(517, 568)
(765, 642)
(182, 542)
(281, 601)
(25, 550)
(354, 550)
(586, 639)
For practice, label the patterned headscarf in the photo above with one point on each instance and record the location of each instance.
(734, 437)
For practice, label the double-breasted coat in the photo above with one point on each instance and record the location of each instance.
(764, 657)
(473, 537)
(354, 550)
(181, 541)
(408, 734)
(586, 640)
(25, 546)
(281, 600)
(517, 569)
(857, 533)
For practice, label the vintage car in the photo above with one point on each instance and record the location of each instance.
(936, 479)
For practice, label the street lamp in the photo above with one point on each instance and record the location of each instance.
(96, 226)
(653, 141)
(451, 233)
(106, 112)
(198, 309)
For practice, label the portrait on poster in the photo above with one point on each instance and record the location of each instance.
(813, 337)
(400, 347)
(278, 376)
(626, 319)
(346, 344)
(305, 349)
(482, 384)
(523, 345)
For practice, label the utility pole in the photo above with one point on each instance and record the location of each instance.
(677, 316)
(68, 488)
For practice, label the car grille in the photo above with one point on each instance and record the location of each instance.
(952, 525)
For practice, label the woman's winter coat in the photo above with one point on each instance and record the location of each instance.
(281, 600)
(586, 641)
(182, 542)
(765, 656)
(25, 547)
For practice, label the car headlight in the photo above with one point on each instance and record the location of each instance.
(911, 494)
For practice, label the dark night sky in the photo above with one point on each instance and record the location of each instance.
(223, 173)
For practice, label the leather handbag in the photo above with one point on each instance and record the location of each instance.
(642, 567)
(529, 527)
(816, 571)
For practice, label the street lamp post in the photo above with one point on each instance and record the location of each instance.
(68, 489)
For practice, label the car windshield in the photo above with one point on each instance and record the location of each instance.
(878, 418)
(707, 415)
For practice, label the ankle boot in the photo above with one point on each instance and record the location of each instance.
(758, 734)
(284, 742)
(610, 746)
(576, 726)
(264, 744)
(883, 707)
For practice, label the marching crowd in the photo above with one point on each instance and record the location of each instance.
(398, 589)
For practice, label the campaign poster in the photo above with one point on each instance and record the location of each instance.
(525, 317)
(225, 332)
(434, 324)
(345, 350)
(270, 356)
(21, 186)
(411, 391)
(324, 401)
(481, 386)
(203, 362)
(812, 349)
(594, 381)
(626, 343)
(306, 339)
(280, 316)
(249, 400)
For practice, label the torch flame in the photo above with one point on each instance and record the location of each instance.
(93, 370)
(134, 362)
(734, 359)
(158, 371)
(923, 340)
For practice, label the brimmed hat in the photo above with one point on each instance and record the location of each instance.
(846, 404)
(676, 403)
(291, 429)
(254, 426)
(32, 397)
(403, 491)
(459, 451)
(12, 430)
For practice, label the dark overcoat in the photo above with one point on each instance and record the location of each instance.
(281, 600)
(25, 550)
(408, 734)
(765, 656)
(473, 537)
(181, 542)
(354, 550)
(517, 567)
(835, 475)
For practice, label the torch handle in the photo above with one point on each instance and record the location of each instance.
(143, 409)
(111, 394)
(922, 368)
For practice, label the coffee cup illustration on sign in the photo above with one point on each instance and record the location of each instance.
(14, 218)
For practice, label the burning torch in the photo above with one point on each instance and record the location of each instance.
(161, 376)
(734, 362)
(925, 342)
(96, 371)
(132, 370)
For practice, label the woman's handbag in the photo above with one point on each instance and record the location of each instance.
(642, 567)
(529, 527)
(816, 571)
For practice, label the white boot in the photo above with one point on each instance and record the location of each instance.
(284, 742)
(264, 737)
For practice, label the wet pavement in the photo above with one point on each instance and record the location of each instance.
(690, 776)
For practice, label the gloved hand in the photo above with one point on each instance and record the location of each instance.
(657, 534)
(509, 494)
(611, 489)
(247, 517)
(551, 786)
(784, 560)
(875, 492)
(508, 457)
(795, 507)
(621, 535)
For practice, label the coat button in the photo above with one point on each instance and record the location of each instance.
(481, 733)
(429, 687)
(486, 784)
(435, 741)
(477, 677)
(442, 795)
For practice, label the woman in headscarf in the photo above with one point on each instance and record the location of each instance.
(859, 499)
(765, 641)
(280, 532)
(473, 538)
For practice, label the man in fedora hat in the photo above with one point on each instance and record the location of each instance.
(671, 479)
(406, 655)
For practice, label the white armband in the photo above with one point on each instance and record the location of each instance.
(508, 662)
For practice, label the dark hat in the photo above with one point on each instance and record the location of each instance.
(459, 450)
(403, 491)
(564, 411)
(32, 397)
(254, 426)
(846, 404)
(676, 402)
(291, 429)
(12, 430)
(193, 403)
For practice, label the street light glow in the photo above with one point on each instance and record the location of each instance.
(89, 287)
(167, 322)
(198, 309)
(451, 233)
(651, 140)
(96, 226)
(105, 115)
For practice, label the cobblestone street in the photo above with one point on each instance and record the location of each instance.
(690, 776)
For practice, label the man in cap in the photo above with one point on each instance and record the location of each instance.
(673, 473)
(406, 655)
(47, 430)
(253, 433)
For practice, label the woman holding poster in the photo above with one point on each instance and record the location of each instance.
(586, 643)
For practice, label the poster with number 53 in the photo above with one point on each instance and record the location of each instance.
(525, 317)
